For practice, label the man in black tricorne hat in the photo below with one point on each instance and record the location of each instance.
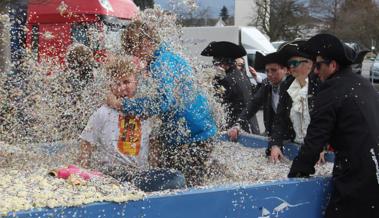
(237, 86)
(276, 102)
(346, 115)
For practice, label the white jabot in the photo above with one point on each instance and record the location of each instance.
(299, 113)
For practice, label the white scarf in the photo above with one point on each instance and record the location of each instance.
(299, 113)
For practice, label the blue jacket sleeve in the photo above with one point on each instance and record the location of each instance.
(147, 106)
(164, 99)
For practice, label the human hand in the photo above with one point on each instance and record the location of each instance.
(321, 160)
(253, 72)
(276, 154)
(113, 102)
(233, 134)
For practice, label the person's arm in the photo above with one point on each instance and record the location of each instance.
(252, 108)
(255, 104)
(279, 128)
(166, 76)
(281, 121)
(144, 106)
(255, 75)
(319, 131)
(148, 106)
(90, 136)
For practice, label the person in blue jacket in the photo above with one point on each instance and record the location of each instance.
(188, 126)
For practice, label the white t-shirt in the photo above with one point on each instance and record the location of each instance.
(118, 139)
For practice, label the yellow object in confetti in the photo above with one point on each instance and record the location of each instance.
(129, 140)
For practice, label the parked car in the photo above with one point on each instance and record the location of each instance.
(374, 71)
(277, 44)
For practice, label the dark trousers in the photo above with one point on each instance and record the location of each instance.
(190, 159)
(154, 179)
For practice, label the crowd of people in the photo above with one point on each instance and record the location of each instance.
(311, 97)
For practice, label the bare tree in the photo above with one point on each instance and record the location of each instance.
(281, 19)
(351, 20)
(262, 20)
(326, 11)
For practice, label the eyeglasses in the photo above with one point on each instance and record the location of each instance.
(295, 63)
(318, 64)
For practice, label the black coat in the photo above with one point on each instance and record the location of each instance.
(346, 115)
(238, 93)
(278, 125)
(272, 120)
(283, 128)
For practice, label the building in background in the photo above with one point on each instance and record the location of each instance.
(245, 12)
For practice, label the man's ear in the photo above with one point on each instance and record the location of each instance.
(334, 65)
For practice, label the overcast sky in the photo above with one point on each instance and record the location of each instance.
(214, 5)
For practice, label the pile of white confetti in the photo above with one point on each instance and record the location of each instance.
(25, 182)
(245, 165)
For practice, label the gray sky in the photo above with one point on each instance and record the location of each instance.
(214, 5)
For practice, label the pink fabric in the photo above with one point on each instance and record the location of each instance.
(64, 173)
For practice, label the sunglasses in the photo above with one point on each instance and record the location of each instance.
(318, 64)
(295, 63)
(216, 62)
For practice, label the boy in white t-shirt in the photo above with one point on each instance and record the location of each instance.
(118, 145)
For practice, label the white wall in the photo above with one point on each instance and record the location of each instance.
(245, 11)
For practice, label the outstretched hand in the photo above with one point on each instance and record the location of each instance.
(233, 134)
(276, 154)
(253, 72)
(321, 160)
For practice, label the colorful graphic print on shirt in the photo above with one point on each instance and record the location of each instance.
(130, 135)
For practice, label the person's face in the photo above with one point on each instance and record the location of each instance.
(240, 63)
(125, 86)
(220, 64)
(299, 67)
(324, 68)
(275, 73)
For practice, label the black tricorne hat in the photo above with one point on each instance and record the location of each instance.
(262, 60)
(330, 47)
(224, 49)
(294, 48)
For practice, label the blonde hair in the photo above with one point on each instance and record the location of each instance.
(120, 66)
(135, 33)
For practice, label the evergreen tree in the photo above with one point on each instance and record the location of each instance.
(143, 4)
(224, 14)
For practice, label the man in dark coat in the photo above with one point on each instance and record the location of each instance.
(235, 83)
(346, 115)
(273, 96)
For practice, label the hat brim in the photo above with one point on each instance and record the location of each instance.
(262, 60)
(224, 49)
(330, 47)
(294, 49)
